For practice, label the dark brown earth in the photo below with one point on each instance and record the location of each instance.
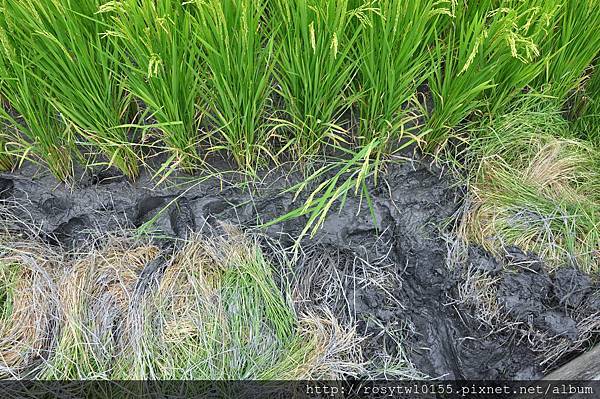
(392, 275)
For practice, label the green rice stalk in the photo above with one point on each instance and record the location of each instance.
(393, 61)
(571, 47)
(239, 56)
(31, 124)
(6, 158)
(588, 122)
(77, 71)
(158, 44)
(314, 69)
(350, 176)
(485, 59)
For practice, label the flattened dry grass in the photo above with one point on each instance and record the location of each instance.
(215, 309)
(28, 308)
(95, 294)
(218, 313)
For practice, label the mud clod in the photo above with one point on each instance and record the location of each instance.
(571, 286)
(75, 231)
(55, 206)
(6, 188)
(483, 262)
(517, 258)
(182, 218)
(524, 294)
(558, 324)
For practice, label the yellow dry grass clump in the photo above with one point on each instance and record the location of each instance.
(28, 307)
(95, 294)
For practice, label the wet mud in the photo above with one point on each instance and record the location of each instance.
(390, 273)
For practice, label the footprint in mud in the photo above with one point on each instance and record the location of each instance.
(147, 208)
(213, 210)
(171, 214)
(6, 188)
(54, 206)
(182, 218)
(216, 207)
(76, 230)
(106, 177)
(524, 295)
(571, 286)
(531, 296)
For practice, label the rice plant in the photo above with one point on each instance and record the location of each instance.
(486, 50)
(392, 54)
(588, 122)
(526, 26)
(349, 178)
(31, 124)
(239, 57)
(571, 46)
(314, 68)
(456, 87)
(82, 77)
(160, 48)
(77, 72)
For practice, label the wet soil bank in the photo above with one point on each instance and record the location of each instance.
(391, 274)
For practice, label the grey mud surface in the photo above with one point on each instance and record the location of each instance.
(389, 274)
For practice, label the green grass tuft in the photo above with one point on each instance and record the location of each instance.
(538, 188)
(219, 314)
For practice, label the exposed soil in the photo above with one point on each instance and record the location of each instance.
(391, 274)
